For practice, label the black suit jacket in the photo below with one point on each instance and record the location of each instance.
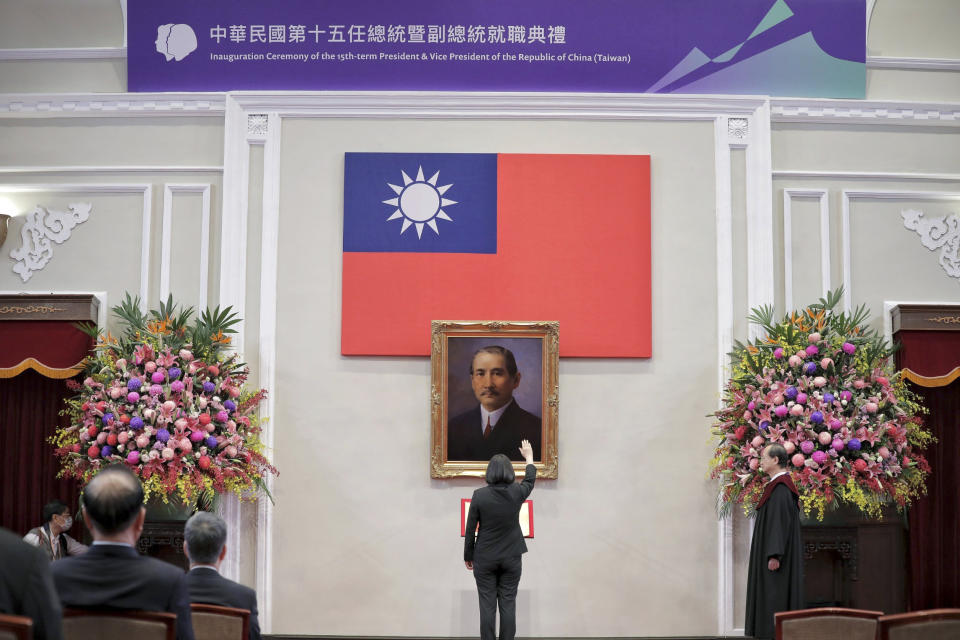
(496, 508)
(26, 588)
(465, 435)
(207, 586)
(117, 577)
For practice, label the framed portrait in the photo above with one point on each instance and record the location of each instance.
(493, 385)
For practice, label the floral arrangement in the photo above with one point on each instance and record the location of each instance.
(167, 399)
(821, 384)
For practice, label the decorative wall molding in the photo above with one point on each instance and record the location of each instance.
(269, 264)
(863, 112)
(145, 190)
(44, 228)
(257, 127)
(849, 195)
(166, 238)
(913, 64)
(64, 53)
(112, 104)
(111, 169)
(788, 196)
(725, 281)
(490, 105)
(868, 175)
(738, 128)
(941, 233)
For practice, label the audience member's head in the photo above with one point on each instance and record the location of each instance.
(54, 508)
(113, 504)
(205, 538)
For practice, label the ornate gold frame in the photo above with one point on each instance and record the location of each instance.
(441, 332)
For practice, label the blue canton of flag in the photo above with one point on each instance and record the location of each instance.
(420, 202)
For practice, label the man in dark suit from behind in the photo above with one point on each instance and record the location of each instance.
(26, 588)
(205, 543)
(112, 575)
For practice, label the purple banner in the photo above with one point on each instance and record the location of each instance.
(813, 48)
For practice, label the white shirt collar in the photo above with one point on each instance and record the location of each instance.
(204, 566)
(494, 416)
(782, 473)
(107, 543)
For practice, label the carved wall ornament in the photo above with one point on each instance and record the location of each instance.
(938, 233)
(738, 128)
(44, 227)
(257, 125)
(946, 319)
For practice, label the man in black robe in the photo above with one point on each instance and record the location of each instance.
(775, 577)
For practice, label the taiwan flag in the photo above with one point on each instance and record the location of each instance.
(511, 237)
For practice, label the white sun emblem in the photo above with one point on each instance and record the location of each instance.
(419, 202)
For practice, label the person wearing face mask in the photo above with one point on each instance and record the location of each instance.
(51, 537)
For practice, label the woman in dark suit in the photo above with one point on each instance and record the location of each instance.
(494, 557)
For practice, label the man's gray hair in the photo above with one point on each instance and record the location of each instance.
(205, 534)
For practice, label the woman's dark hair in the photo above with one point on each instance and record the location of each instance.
(777, 452)
(500, 470)
(53, 508)
(113, 499)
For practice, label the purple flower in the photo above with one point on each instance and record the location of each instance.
(162, 435)
(133, 384)
(136, 422)
(174, 373)
(816, 417)
(828, 397)
(176, 386)
(846, 395)
(819, 457)
(806, 446)
(211, 442)
(222, 416)
(810, 368)
(854, 444)
(209, 387)
(848, 348)
(791, 392)
(778, 353)
(764, 425)
(107, 418)
(812, 350)
(106, 452)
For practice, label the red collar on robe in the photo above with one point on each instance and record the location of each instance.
(783, 479)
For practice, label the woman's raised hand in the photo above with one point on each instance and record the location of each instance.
(526, 451)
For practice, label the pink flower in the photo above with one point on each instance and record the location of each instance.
(185, 355)
(795, 361)
(789, 446)
(781, 411)
(797, 460)
(883, 452)
(778, 353)
(819, 381)
(859, 384)
(757, 442)
(167, 453)
(812, 350)
(813, 337)
(849, 348)
(826, 363)
(870, 407)
(801, 398)
(150, 367)
(796, 410)
(166, 359)
(825, 438)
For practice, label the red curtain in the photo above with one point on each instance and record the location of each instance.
(935, 518)
(29, 408)
(930, 360)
